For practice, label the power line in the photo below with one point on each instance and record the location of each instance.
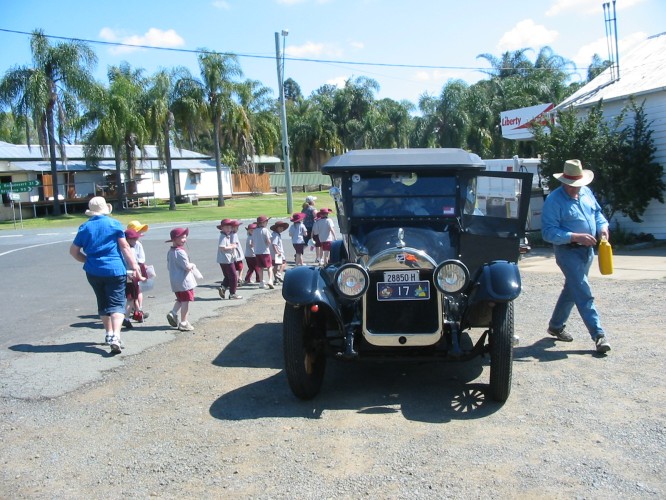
(259, 56)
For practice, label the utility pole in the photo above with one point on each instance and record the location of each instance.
(279, 57)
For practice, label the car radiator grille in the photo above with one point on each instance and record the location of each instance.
(400, 316)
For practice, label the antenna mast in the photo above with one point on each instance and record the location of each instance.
(610, 20)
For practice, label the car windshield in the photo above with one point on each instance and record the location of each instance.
(403, 195)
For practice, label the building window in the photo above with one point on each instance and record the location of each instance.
(156, 175)
(195, 177)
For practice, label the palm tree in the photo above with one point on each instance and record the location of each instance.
(253, 125)
(48, 92)
(115, 118)
(217, 71)
(168, 90)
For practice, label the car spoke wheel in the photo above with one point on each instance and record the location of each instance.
(501, 351)
(305, 359)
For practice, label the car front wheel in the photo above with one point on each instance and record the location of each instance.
(304, 356)
(501, 351)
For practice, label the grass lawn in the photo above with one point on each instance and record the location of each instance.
(245, 207)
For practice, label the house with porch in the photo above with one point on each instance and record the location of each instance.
(195, 176)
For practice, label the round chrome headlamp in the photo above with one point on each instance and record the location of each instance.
(451, 276)
(351, 281)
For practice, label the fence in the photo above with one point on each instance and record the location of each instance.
(250, 183)
(300, 181)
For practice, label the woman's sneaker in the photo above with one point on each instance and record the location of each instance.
(185, 326)
(235, 296)
(116, 344)
(223, 292)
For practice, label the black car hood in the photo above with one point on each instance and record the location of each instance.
(438, 244)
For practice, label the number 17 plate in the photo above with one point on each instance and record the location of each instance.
(413, 290)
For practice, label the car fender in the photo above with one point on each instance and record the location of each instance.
(498, 281)
(304, 285)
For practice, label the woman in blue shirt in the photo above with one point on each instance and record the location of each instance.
(101, 246)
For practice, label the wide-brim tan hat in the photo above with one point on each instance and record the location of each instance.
(574, 174)
(98, 206)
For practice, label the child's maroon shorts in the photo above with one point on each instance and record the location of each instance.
(186, 296)
(264, 261)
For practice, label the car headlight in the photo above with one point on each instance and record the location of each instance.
(451, 276)
(351, 281)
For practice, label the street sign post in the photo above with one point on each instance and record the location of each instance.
(18, 187)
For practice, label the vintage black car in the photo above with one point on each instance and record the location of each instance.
(423, 261)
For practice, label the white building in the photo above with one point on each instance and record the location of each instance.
(195, 175)
(642, 75)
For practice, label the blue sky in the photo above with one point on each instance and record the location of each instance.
(443, 37)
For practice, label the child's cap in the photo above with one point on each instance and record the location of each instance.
(177, 233)
(137, 226)
(252, 226)
(225, 222)
(132, 234)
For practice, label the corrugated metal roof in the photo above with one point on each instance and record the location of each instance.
(74, 166)
(75, 152)
(642, 70)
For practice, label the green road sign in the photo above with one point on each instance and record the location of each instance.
(15, 189)
(15, 186)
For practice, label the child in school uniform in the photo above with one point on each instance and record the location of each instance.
(182, 279)
(325, 232)
(298, 233)
(239, 254)
(250, 258)
(132, 287)
(226, 258)
(261, 242)
(277, 250)
(139, 315)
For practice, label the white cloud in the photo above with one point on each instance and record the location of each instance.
(154, 37)
(583, 57)
(311, 49)
(222, 5)
(585, 6)
(338, 81)
(357, 45)
(527, 34)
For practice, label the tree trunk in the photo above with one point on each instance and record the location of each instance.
(218, 163)
(167, 160)
(120, 188)
(52, 153)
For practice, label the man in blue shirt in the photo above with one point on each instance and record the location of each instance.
(572, 220)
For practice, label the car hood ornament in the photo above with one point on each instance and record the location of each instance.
(401, 238)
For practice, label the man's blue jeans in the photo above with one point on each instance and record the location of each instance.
(575, 263)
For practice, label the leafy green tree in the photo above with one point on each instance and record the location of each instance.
(596, 67)
(217, 74)
(627, 177)
(48, 93)
(115, 119)
(167, 90)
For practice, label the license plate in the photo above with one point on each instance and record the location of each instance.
(400, 276)
(413, 290)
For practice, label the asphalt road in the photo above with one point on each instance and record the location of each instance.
(46, 293)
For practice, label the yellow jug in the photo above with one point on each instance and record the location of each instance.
(605, 257)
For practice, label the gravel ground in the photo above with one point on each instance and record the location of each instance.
(210, 415)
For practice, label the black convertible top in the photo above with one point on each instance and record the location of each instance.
(399, 159)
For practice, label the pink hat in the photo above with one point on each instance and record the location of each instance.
(279, 225)
(297, 217)
(132, 234)
(177, 233)
(225, 222)
(252, 226)
(261, 219)
(236, 223)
